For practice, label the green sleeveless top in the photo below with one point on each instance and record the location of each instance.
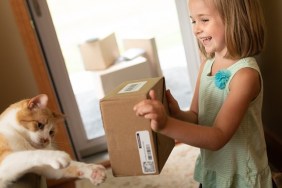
(242, 162)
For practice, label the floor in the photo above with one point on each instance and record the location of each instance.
(177, 173)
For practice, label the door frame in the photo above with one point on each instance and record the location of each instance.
(189, 41)
(40, 72)
(50, 72)
(42, 78)
(46, 33)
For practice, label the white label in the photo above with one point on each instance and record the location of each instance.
(145, 152)
(132, 87)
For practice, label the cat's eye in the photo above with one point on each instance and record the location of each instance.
(52, 133)
(40, 125)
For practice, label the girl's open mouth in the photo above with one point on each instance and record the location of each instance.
(205, 40)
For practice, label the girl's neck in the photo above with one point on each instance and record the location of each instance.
(221, 62)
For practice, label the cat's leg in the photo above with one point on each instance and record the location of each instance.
(16, 164)
(94, 172)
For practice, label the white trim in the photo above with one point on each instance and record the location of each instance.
(189, 41)
(58, 73)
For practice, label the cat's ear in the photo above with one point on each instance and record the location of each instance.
(39, 101)
(59, 117)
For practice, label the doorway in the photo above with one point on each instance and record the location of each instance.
(77, 21)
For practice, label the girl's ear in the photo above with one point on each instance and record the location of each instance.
(39, 101)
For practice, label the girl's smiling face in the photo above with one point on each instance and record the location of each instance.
(208, 26)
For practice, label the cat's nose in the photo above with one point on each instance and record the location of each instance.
(44, 140)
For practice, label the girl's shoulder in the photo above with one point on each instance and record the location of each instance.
(245, 69)
(248, 62)
(246, 79)
(206, 65)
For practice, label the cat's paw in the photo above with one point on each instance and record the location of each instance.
(98, 174)
(59, 160)
(95, 173)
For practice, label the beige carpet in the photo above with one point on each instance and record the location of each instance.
(177, 173)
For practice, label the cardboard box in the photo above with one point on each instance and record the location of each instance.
(107, 80)
(151, 52)
(134, 149)
(99, 54)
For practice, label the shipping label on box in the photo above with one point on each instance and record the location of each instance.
(133, 147)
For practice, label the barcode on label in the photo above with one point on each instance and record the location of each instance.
(132, 87)
(145, 152)
(149, 152)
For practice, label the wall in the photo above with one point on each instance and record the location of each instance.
(16, 78)
(271, 67)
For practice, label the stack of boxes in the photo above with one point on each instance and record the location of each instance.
(100, 57)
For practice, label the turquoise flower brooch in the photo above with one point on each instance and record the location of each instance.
(221, 78)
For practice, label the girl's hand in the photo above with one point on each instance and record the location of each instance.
(174, 108)
(154, 110)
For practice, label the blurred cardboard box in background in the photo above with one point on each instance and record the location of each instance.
(108, 79)
(133, 147)
(151, 52)
(99, 53)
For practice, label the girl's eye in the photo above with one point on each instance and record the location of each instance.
(202, 20)
(52, 133)
(40, 125)
(193, 21)
(205, 20)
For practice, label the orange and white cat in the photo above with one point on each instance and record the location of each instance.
(26, 131)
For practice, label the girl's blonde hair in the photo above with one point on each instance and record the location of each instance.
(244, 27)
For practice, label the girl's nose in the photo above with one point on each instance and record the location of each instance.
(197, 29)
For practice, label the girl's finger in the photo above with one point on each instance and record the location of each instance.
(152, 94)
(140, 104)
(142, 108)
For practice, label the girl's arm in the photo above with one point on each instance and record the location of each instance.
(190, 115)
(244, 88)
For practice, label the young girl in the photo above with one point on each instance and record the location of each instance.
(224, 119)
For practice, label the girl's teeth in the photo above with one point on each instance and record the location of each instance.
(207, 39)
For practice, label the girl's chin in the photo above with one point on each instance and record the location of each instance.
(210, 48)
(209, 51)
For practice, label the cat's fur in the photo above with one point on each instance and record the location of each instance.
(26, 131)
